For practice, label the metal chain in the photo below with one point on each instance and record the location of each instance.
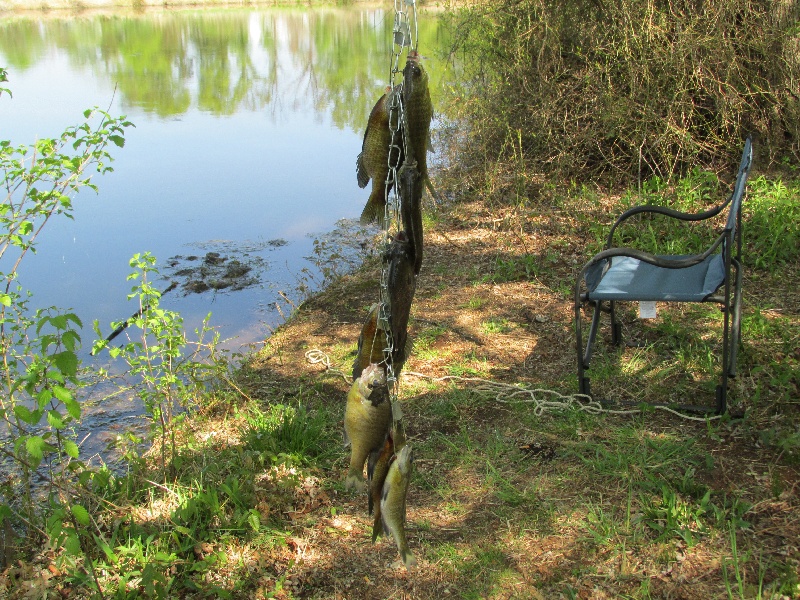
(405, 23)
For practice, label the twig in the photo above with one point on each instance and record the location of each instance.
(123, 326)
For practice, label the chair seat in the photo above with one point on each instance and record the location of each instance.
(630, 279)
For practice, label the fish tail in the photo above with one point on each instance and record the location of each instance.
(376, 529)
(354, 482)
(374, 210)
(408, 559)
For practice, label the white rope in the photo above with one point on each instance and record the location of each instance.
(510, 393)
(316, 356)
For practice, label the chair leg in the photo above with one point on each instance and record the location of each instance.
(722, 400)
(616, 326)
(736, 321)
(585, 355)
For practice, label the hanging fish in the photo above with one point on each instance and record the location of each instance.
(373, 161)
(417, 114)
(410, 188)
(371, 342)
(367, 418)
(377, 468)
(393, 502)
(401, 283)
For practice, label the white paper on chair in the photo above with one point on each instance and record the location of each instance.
(647, 310)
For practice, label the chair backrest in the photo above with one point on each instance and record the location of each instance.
(738, 188)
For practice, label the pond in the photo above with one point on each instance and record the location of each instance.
(247, 127)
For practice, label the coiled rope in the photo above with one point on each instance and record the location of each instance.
(543, 399)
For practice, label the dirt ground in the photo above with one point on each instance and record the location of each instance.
(540, 548)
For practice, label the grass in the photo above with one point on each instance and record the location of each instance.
(507, 500)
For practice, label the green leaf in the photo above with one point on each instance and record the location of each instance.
(72, 545)
(5, 299)
(35, 447)
(118, 140)
(71, 448)
(81, 514)
(67, 362)
(23, 413)
(55, 419)
(62, 394)
(73, 408)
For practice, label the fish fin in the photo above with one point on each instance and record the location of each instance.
(374, 455)
(361, 171)
(385, 492)
(376, 529)
(357, 368)
(373, 211)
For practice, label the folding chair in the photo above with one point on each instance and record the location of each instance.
(628, 274)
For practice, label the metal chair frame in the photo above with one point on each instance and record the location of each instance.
(728, 293)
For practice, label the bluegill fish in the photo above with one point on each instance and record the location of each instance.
(367, 419)
(378, 468)
(373, 161)
(393, 502)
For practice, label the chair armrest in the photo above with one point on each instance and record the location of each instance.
(654, 259)
(663, 210)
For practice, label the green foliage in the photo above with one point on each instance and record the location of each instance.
(286, 433)
(167, 371)
(771, 216)
(626, 89)
(40, 401)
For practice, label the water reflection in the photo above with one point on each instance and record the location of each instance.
(225, 61)
(248, 124)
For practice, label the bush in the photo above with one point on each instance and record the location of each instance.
(625, 89)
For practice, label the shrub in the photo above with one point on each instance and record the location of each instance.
(627, 88)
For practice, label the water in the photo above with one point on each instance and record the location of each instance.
(248, 124)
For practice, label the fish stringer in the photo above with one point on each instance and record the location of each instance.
(405, 34)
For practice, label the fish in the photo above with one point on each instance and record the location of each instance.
(371, 342)
(367, 419)
(401, 284)
(417, 115)
(410, 188)
(377, 468)
(393, 502)
(374, 158)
